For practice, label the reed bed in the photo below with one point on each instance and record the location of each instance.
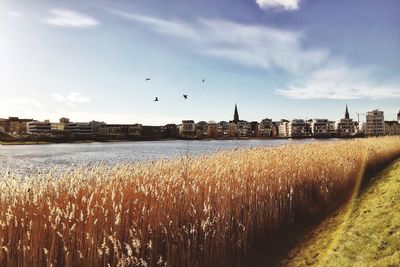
(208, 210)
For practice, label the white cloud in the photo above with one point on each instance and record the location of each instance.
(285, 4)
(340, 82)
(71, 99)
(13, 13)
(70, 18)
(249, 45)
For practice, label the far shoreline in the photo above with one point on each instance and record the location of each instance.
(49, 142)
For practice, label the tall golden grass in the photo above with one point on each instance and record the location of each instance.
(204, 211)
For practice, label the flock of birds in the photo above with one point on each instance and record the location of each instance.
(185, 96)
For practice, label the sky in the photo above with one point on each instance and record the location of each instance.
(89, 60)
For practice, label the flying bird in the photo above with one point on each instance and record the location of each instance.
(204, 79)
(148, 79)
(156, 99)
(185, 96)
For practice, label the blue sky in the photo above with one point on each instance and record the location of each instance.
(274, 58)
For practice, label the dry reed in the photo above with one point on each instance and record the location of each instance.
(205, 211)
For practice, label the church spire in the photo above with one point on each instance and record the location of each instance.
(346, 115)
(236, 115)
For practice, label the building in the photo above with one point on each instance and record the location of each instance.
(147, 131)
(14, 125)
(345, 127)
(169, 131)
(187, 128)
(283, 128)
(201, 129)
(81, 129)
(320, 128)
(392, 128)
(223, 128)
(375, 123)
(265, 128)
(120, 130)
(41, 128)
(254, 128)
(233, 129)
(243, 128)
(212, 129)
(298, 128)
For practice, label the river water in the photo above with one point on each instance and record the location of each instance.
(28, 159)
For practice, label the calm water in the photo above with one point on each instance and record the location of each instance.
(25, 159)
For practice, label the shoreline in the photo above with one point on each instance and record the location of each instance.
(49, 142)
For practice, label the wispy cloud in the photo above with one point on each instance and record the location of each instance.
(268, 48)
(339, 81)
(282, 4)
(250, 45)
(14, 13)
(71, 99)
(70, 18)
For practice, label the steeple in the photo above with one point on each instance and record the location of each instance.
(236, 115)
(346, 115)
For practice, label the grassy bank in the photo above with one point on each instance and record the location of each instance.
(206, 211)
(363, 233)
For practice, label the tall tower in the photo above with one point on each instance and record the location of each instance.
(346, 115)
(236, 115)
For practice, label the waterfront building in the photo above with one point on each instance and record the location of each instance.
(265, 128)
(254, 128)
(169, 130)
(298, 128)
(283, 128)
(202, 129)
(212, 129)
(233, 129)
(120, 130)
(146, 131)
(375, 124)
(41, 128)
(243, 128)
(223, 128)
(392, 128)
(345, 127)
(82, 129)
(187, 128)
(320, 128)
(14, 125)
(2, 129)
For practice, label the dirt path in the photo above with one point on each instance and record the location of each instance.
(364, 233)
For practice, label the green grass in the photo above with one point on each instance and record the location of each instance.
(364, 233)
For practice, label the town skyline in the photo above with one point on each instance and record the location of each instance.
(90, 61)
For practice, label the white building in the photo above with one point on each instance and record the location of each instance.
(38, 127)
(375, 124)
(223, 128)
(321, 127)
(283, 128)
(187, 128)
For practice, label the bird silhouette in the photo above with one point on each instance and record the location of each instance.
(204, 79)
(185, 96)
(156, 99)
(148, 79)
